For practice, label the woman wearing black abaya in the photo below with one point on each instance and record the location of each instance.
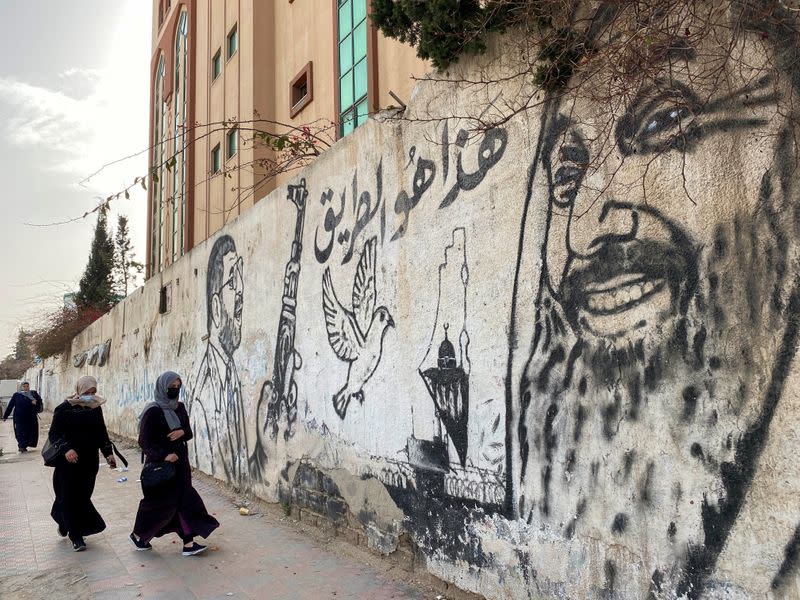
(79, 421)
(176, 507)
(27, 405)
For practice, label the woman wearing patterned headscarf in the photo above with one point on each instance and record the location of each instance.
(79, 421)
(26, 404)
(175, 507)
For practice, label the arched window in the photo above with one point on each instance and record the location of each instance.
(158, 186)
(180, 137)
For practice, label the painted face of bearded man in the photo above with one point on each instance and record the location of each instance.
(663, 326)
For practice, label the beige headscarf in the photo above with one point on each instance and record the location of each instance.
(86, 382)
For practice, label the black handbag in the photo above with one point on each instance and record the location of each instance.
(53, 451)
(155, 474)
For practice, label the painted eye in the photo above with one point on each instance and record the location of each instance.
(664, 121)
(566, 175)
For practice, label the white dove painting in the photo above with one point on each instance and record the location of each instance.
(356, 336)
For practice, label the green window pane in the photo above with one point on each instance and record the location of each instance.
(217, 68)
(233, 143)
(346, 90)
(360, 84)
(347, 122)
(353, 72)
(359, 10)
(361, 112)
(345, 19)
(360, 42)
(233, 41)
(346, 54)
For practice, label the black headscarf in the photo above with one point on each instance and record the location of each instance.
(163, 401)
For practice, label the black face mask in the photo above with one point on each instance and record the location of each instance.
(173, 393)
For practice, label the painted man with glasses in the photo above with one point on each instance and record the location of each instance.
(655, 356)
(215, 405)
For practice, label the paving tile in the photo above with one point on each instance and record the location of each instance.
(121, 594)
(118, 582)
(168, 588)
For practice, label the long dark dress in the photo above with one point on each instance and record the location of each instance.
(177, 507)
(85, 431)
(26, 420)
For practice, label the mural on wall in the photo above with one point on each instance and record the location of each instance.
(447, 379)
(280, 394)
(432, 478)
(664, 325)
(436, 482)
(356, 336)
(97, 355)
(215, 396)
(215, 403)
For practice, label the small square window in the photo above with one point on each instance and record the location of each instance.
(301, 90)
(216, 159)
(233, 41)
(216, 65)
(232, 146)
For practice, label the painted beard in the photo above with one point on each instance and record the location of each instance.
(629, 438)
(230, 335)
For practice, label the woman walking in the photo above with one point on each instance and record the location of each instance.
(79, 421)
(26, 404)
(175, 507)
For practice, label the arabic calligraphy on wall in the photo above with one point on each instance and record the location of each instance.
(363, 206)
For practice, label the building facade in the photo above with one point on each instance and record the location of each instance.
(222, 70)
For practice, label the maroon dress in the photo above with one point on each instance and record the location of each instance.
(177, 507)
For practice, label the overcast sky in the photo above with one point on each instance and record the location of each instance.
(73, 96)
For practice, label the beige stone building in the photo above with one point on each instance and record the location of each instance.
(253, 63)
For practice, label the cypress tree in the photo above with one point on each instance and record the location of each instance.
(22, 349)
(126, 268)
(96, 288)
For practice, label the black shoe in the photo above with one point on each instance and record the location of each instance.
(23, 449)
(195, 548)
(79, 545)
(139, 544)
(61, 531)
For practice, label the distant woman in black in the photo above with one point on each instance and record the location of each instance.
(27, 405)
(79, 420)
(176, 506)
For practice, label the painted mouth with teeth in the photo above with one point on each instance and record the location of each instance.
(624, 285)
(618, 296)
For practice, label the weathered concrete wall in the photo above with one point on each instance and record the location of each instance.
(559, 381)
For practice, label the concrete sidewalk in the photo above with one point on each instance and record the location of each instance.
(262, 556)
